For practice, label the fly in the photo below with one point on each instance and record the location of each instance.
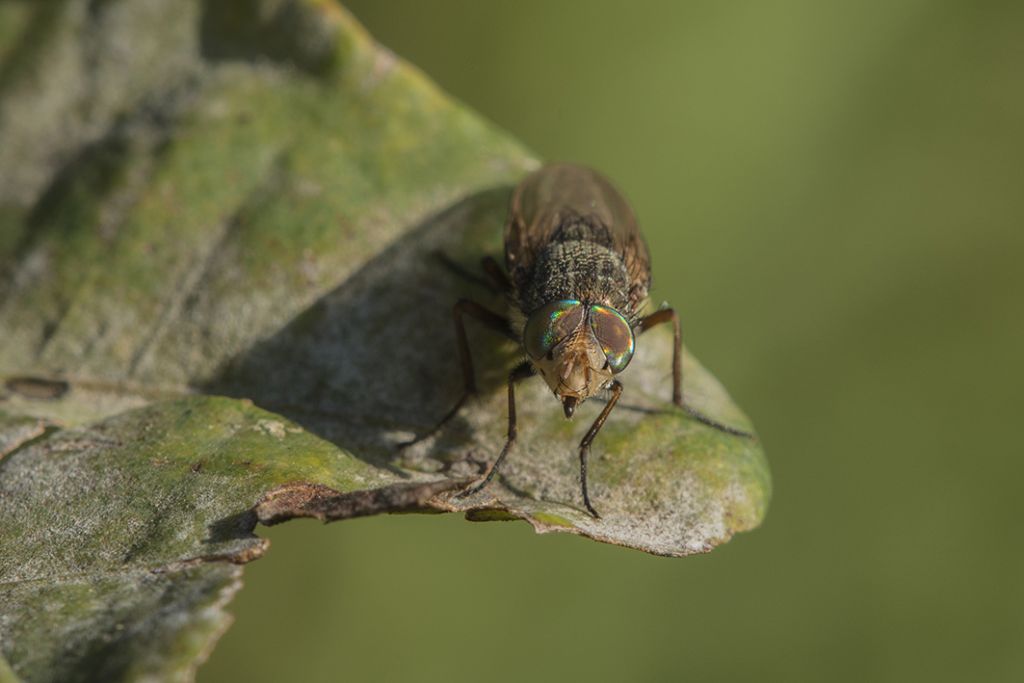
(578, 276)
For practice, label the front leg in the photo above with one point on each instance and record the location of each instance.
(489, 318)
(521, 371)
(669, 315)
(589, 438)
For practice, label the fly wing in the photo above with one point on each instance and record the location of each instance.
(556, 195)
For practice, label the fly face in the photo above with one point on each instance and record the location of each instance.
(578, 348)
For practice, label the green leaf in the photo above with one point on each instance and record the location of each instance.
(222, 305)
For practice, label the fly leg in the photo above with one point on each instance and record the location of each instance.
(521, 371)
(669, 315)
(616, 389)
(497, 275)
(490, 319)
(494, 277)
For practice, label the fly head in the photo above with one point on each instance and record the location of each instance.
(578, 348)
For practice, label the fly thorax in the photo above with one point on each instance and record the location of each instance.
(580, 270)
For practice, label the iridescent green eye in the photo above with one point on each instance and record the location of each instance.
(551, 324)
(614, 334)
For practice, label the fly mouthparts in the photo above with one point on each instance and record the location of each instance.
(569, 405)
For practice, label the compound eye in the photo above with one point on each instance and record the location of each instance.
(614, 334)
(549, 325)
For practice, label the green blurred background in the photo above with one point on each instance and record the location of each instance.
(833, 195)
